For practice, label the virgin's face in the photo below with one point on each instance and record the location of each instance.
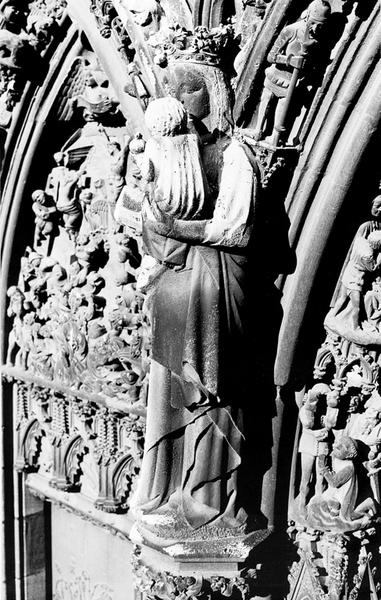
(192, 91)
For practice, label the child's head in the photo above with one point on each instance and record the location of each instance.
(374, 239)
(166, 117)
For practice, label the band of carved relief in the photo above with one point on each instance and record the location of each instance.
(336, 509)
(79, 347)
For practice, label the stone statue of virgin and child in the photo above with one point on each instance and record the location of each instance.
(200, 295)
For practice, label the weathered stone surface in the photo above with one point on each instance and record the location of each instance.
(143, 232)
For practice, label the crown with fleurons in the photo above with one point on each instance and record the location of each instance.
(202, 45)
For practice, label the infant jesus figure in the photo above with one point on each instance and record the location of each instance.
(176, 186)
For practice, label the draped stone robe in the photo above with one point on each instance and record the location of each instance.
(200, 319)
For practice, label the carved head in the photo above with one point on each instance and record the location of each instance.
(345, 448)
(75, 299)
(74, 267)
(119, 300)
(374, 240)
(58, 272)
(146, 12)
(34, 259)
(354, 403)
(39, 196)
(29, 318)
(192, 90)
(317, 14)
(203, 91)
(166, 117)
(90, 80)
(17, 299)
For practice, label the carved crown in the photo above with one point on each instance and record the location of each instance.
(203, 45)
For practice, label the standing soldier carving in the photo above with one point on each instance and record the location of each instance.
(294, 67)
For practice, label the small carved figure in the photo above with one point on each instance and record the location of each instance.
(372, 304)
(45, 210)
(118, 160)
(70, 351)
(96, 99)
(27, 342)
(129, 204)
(85, 198)
(62, 185)
(339, 317)
(15, 309)
(366, 425)
(137, 147)
(105, 348)
(148, 14)
(29, 266)
(22, 336)
(16, 302)
(314, 438)
(128, 257)
(85, 249)
(56, 279)
(82, 307)
(336, 510)
(365, 258)
(295, 57)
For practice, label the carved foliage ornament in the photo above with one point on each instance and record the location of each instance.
(164, 585)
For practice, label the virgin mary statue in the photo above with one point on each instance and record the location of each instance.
(190, 476)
